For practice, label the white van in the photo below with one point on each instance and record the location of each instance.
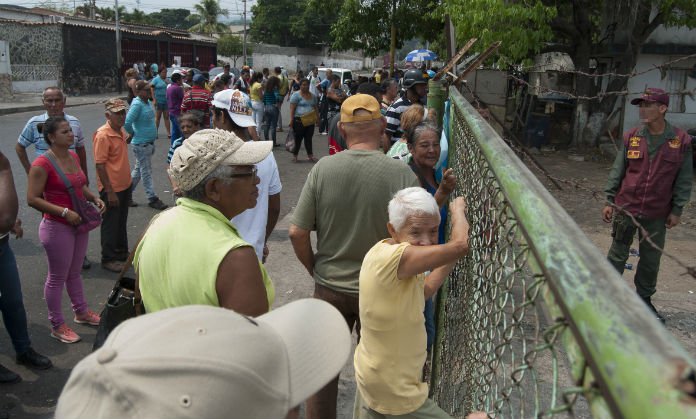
(344, 73)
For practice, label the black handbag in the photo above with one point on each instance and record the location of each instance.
(124, 303)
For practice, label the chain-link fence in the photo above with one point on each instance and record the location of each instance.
(534, 322)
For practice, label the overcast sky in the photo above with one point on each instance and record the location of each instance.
(235, 7)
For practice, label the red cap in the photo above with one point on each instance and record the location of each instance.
(652, 94)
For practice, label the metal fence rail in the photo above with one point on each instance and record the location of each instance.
(31, 72)
(534, 322)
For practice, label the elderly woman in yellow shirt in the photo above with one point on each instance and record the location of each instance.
(393, 288)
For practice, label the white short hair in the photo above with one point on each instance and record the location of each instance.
(409, 202)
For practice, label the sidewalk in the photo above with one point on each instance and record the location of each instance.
(29, 102)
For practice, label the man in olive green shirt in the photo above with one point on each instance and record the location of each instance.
(345, 201)
(650, 182)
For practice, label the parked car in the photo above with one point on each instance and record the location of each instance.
(218, 70)
(182, 70)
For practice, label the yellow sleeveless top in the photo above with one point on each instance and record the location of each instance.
(177, 260)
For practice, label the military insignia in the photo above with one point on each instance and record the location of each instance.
(674, 142)
(633, 154)
(634, 141)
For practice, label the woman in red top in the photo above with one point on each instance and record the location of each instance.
(65, 246)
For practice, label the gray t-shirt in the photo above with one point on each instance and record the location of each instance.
(345, 200)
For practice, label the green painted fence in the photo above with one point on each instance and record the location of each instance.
(534, 322)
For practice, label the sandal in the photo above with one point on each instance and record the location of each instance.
(294, 159)
(311, 158)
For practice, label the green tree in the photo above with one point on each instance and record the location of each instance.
(364, 24)
(583, 29)
(289, 23)
(108, 13)
(84, 10)
(312, 27)
(206, 18)
(231, 46)
(136, 16)
(272, 21)
(171, 18)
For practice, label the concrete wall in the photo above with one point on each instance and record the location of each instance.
(686, 119)
(36, 86)
(31, 44)
(293, 59)
(489, 85)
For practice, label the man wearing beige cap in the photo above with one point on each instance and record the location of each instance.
(204, 362)
(345, 200)
(114, 183)
(192, 254)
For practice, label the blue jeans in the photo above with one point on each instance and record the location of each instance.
(270, 113)
(143, 168)
(13, 314)
(176, 130)
(429, 314)
(257, 114)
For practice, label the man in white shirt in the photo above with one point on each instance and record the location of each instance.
(231, 112)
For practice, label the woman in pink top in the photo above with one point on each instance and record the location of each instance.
(65, 246)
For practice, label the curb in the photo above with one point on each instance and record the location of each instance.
(31, 108)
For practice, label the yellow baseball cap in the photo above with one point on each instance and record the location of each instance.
(360, 102)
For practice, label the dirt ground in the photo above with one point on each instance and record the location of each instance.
(676, 291)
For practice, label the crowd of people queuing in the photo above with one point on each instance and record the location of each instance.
(378, 205)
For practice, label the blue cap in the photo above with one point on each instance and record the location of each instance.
(198, 78)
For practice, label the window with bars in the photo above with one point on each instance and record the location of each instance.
(676, 82)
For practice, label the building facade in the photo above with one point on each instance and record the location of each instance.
(79, 54)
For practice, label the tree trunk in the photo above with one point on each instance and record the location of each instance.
(638, 26)
(584, 86)
(598, 122)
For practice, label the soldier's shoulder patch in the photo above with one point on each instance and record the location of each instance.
(634, 141)
(633, 154)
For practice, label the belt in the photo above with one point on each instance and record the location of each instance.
(143, 144)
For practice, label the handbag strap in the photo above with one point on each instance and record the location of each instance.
(51, 158)
(137, 299)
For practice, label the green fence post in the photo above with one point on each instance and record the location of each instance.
(436, 98)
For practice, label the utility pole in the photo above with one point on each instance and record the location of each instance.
(244, 60)
(392, 44)
(92, 9)
(118, 49)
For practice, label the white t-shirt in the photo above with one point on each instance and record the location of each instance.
(313, 84)
(251, 224)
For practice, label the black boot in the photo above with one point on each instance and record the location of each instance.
(34, 360)
(8, 377)
(647, 302)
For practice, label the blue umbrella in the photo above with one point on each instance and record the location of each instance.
(421, 55)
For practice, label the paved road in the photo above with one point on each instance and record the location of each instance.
(36, 396)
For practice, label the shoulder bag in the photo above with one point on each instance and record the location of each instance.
(123, 303)
(310, 118)
(91, 218)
